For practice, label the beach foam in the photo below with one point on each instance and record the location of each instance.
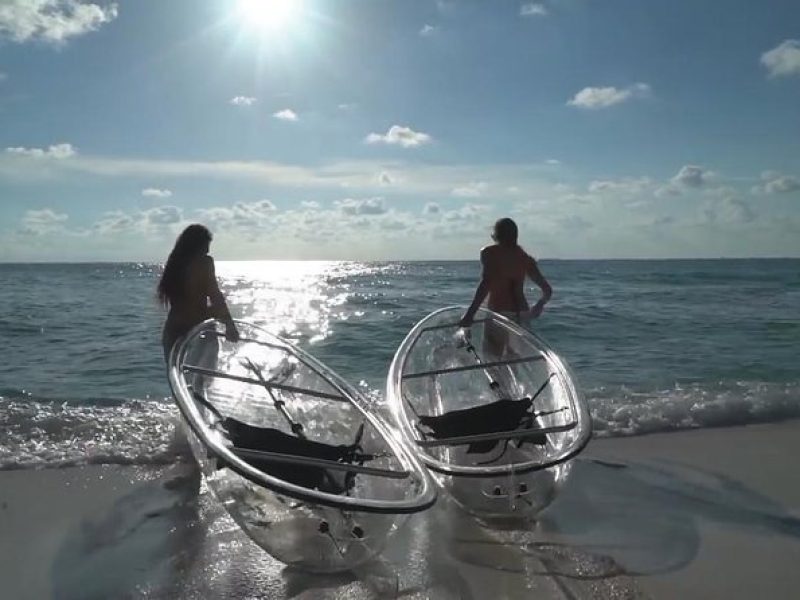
(52, 433)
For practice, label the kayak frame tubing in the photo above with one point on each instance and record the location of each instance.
(514, 434)
(214, 447)
(482, 365)
(256, 382)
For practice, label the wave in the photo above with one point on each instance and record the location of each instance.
(54, 433)
(622, 411)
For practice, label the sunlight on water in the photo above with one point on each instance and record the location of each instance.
(293, 299)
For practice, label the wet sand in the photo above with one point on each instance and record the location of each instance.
(712, 513)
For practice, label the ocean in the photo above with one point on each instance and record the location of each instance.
(655, 345)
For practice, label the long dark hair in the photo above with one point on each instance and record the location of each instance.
(505, 232)
(192, 242)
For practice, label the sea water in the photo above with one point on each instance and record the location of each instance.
(655, 345)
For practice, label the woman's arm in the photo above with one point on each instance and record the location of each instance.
(480, 293)
(219, 308)
(547, 292)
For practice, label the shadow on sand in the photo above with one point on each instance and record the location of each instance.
(611, 521)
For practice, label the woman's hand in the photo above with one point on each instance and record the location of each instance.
(537, 309)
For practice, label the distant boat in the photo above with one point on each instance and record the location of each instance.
(291, 450)
(492, 411)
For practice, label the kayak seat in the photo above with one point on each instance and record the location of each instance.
(267, 439)
(496, 417)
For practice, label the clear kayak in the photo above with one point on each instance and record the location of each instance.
(291, 450)
(492, 411)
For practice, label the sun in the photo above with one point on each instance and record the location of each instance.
(269, 15)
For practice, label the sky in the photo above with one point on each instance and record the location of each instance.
(389, 129)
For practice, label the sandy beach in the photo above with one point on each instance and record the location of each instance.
(713, 513)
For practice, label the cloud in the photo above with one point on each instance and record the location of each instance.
(553, 162)
(52, 21)
(573, 223)
(428, 30)
(156, 193)
(431, 208)
(727, 211)
(287, 114)
(471, 190)
(666, 191)
(626, 185)
(249, 216)
(783, 60)
(41, 222)
(366, 206)
(603, 97)
(158, 220)
(385, 178)
(243, 100)
(57, 151)
(775, 183)
(347, 106)
(533, 10)
(399, 135)
(692, 176)
(3, 77)
(163, 215)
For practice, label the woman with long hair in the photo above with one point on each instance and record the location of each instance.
(188, 287)
(505, 266)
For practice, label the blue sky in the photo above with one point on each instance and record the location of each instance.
(377, 129)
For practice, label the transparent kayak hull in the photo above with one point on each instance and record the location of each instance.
(274, 431)
(492, 411)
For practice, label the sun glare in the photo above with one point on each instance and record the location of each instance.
(268, 14)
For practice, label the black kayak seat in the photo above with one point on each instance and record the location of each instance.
(249, 437)
(496, 417)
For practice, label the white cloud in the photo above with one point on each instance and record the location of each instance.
(783, 60)
(668, 190)
(775, 183)
(692, 176)
(727, 211)
(53, 21)
(163, 215)
(474, 189)
(533, 10)
(428, 30)
(57, 151)
(366, 206)
(603, 97)
(156, 193)
(243, 100)
(399, 135)
(287, 114)
(245, 217)
(347, 106)
(40, 222)
(626, 185)
(159, 220)
(553, 162)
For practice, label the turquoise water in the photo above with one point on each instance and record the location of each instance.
(656, 345)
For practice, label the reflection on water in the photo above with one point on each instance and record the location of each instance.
(295, 299)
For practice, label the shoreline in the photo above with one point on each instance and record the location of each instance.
(699, 513)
